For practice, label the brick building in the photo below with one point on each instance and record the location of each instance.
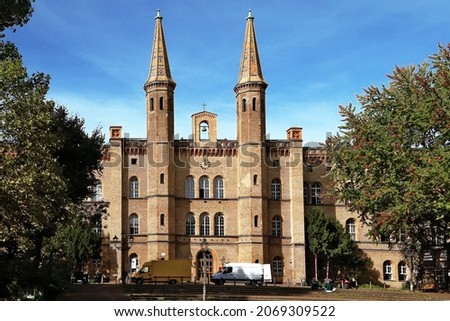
(245, 199)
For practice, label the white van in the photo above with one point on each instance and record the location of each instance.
(250, 273)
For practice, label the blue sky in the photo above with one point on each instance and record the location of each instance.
(315, 55)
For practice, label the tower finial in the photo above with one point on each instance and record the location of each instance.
(158, 14)
(249, 16)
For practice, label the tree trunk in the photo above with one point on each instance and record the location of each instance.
(328, 267)
(315, 266)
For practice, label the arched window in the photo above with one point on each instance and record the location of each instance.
(219, 225)
(255, 221)
(162, 219)
(134, 224)
(152, 104)
(134, 187)
(204, 224)
(190, 224)
(276, 226)
(351, 228)
(161, 178)
(255, 179)
(98, 192)
(316, 191)
(402, 272)
(244, 104)
(387, 270)
(277, 266)
(161, 103)
(305, 193)
(204, 187)
(276, 189)
(254, 103)
(189, 187)
(218, 187)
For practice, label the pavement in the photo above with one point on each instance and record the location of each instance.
(117, 292)
(95, 292)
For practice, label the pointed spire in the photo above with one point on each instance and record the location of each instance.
(250, 69)
(159, 64)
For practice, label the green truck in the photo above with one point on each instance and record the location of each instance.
(164, 271)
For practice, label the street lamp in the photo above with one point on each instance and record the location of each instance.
(204, 249)
(123, 245)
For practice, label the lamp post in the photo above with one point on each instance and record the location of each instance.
(204, 249)
(122, 245)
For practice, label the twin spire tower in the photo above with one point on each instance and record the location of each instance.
(250, 90)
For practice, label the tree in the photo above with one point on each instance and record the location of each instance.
(14, 12)
(78, 154)
(314, 234)
(46, 174)
(78, 239)
(391, 159)
(326, 236)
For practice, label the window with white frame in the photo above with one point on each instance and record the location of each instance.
(351, 228)
(402, 272)
(98, 226)
(316, 191)
(219, 225)
(276, 189)
(134, 224)
(134, 187)
(189, 187)
(190, 224)
(204, 187)
(387, 271)
(204, 224)
(218, 187)
(276, 226)
(277, 266)
(98, 192)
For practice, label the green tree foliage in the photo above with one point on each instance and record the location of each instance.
(392, 158)
(327, 237)
(79, 241)
(78, 154)
(46, 172)
(314, 234)
(14, 13)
